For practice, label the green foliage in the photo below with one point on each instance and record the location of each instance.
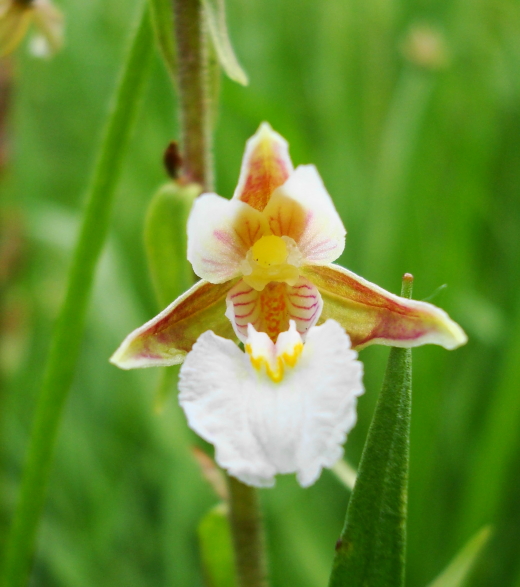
(457, 572)
(372, 547)
(216, 548)
(215, 12)
(161, 14)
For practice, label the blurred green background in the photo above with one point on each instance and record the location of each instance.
(411, 112)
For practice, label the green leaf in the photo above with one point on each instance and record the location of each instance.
(161, 12)
(165, 240)
(215, 13)
(457, 572)
(216, 548)
(371, 550)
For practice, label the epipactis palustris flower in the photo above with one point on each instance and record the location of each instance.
(283, 407)
(16, 17)
(265, 258)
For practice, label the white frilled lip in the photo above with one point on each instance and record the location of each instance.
(261, 428)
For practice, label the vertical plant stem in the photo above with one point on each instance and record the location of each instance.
(192, 81)
(65, 344)
(195, 117)
(248, 535)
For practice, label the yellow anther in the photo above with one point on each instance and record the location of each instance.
(269, 250)
(275, 371)
(292, 359)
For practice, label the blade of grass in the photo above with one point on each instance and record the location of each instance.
(457, 572)
(67, 336)
(371, 550)
(161, 15)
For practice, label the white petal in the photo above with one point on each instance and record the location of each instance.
(302, 209)
(260, 428)
(216, 382)
(332, 377)
(220, 232)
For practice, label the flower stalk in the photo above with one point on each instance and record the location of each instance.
(248, 534)
(193, 90)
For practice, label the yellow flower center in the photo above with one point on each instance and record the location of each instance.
(269, 250)
(271, 258)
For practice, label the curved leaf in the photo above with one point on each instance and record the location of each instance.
(215, 13)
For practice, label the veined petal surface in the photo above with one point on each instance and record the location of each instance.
(220, 232)
(265, 166)
(271, 309)
(302, 209)
(166, 339)
(261, 428)
(372, 315)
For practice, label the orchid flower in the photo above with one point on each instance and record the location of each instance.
(265, 258)
(282, 407)
(16, 16)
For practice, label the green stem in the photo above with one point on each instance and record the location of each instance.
(192, 79)
(66, 341)
(248, 535)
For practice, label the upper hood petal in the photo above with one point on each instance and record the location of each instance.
(220, 232)
(302, 209)
(265, 166)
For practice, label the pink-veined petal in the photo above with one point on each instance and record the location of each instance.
(260, 427)
(220, 232)
(167, 338)
(265, 166)
(302, 209)
(371, 315)
(271, 309)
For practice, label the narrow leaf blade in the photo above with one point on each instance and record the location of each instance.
(371, 550)
(457, 572)
(215, 13)
(161, 12)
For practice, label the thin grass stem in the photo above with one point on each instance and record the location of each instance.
(67, 336)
